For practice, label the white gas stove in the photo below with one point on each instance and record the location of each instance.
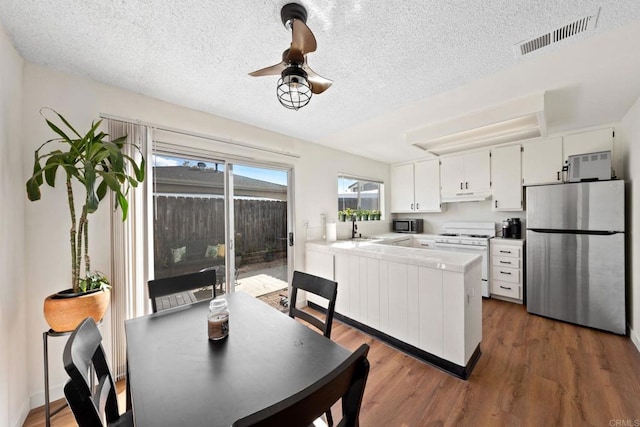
(469, 237)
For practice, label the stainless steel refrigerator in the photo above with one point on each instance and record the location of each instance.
(576, 253)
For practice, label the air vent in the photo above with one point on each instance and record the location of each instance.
(582, 25)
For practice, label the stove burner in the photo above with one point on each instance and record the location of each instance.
(449, 234)
(483, 236)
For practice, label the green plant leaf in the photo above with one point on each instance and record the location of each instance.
(124, 205)
(33, 189)
(66, 123)
(90, 180)
(102, 190)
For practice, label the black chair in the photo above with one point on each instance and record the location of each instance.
(180, 284)
(91, 408)
(325, 288)
(347, 381)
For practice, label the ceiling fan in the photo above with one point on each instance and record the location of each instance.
(297, 81)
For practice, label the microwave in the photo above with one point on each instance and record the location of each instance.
(590, 167)
(407, 225)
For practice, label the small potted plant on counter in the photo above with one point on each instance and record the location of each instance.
(342, 216)
(375, 214)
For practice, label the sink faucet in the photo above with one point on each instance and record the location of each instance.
(354, 227)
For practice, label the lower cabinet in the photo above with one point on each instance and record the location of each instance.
(507, 269)
(435, 310)
(319, 264)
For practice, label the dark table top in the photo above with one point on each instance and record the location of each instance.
(177, 377)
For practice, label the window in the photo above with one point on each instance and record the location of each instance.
(359, 193)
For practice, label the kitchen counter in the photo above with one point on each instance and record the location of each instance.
(459, 262)
(426, 302)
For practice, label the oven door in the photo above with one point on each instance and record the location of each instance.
(471, 249)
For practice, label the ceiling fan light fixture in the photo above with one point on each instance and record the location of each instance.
(294, 89)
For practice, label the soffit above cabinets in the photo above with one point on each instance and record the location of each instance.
(516, 120)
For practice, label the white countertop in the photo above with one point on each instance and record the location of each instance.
(431, 258)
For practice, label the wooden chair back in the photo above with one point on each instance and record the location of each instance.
(347, 381)
(325, 288)
(176, 284)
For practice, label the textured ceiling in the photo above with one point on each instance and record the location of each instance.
(397, 65)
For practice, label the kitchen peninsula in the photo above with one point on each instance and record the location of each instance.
(426, 302)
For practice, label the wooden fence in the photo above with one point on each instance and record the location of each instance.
(260, 226)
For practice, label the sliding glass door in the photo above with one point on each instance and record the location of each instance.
(214, 214)
(261, 232)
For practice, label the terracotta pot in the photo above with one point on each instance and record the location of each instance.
(63, 312)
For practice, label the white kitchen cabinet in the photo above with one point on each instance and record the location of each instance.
(587, 142)
(431, 310)
(506, 178)
(342, 277)
(415, 187)
(465, 176)
(398, 294)
(542, 162)
(507, 269)
(319, 264)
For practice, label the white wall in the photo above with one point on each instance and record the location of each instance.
(14, 400)
(630, 135)
(80, 100)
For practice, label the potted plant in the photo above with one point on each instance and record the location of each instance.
(365, 214)
(349, 214)
(97, 165)
(342, 216)
(376, 214)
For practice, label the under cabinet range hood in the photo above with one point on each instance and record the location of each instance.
(516, 120)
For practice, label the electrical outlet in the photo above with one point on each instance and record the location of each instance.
(305, 223)
(323, 217)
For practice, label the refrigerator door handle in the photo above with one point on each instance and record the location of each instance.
(596, 232)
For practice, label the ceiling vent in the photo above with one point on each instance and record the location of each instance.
(582, 25)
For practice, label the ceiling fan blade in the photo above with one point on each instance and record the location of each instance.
(274, 70)
(318, 83)
(302, 39)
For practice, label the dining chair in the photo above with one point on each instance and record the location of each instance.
(325, 288)
(178, 284)
(91, 408)
(345, 382)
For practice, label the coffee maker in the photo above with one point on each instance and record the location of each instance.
(511, 228)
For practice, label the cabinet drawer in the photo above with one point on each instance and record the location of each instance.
(505, 274)
(503, 261)
(506, 289)
(506, 251)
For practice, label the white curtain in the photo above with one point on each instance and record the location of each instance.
(129, 268)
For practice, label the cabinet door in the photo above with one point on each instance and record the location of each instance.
(506, 178)
(477, 171)
(342, 277)
(587, 142)
(542, 162)
(402, 188)
(452, 175)
(319, 264)
(427, 186)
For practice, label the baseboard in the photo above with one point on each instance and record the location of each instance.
(55, 393)
(635, 338)
(24, 412)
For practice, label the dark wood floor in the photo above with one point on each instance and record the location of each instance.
(533, 372)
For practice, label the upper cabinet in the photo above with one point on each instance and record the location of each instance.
(587, 142)
(415, 187)
(542, 162)
(466, 176)
(506, 176)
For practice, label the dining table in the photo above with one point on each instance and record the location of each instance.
(176, 376)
